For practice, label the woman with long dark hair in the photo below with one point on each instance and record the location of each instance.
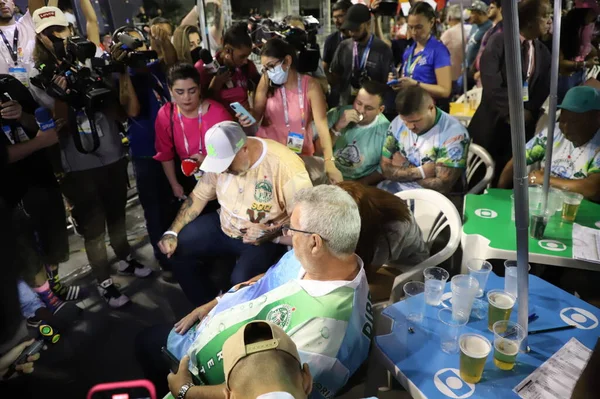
(287, 102)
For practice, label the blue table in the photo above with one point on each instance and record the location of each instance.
(419, 364)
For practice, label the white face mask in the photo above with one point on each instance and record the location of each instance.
(278, 76)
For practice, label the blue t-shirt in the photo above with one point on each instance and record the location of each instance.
(149, 91)
(475, 38)
(435, 55)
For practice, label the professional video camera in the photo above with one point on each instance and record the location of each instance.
(135, 58)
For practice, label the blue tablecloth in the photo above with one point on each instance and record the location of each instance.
(430, 373)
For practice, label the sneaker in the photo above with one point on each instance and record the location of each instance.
(50, 299)
(130, 267)
(111, 294)
(65, 292)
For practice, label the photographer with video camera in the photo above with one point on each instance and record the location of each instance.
(229, 76)
(143, 91)
(93, 159)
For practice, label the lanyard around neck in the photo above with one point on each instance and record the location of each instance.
(185, 140)
(300, 100)
(409, 67)
(14, 49)
(363, 62)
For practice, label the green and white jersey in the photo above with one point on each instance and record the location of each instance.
(330, 322)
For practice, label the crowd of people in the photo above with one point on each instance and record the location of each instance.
(268, 197)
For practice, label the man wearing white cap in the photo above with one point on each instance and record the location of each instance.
(254, 181)
(18, 40)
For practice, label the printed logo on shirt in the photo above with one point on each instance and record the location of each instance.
(281, 316)
(349, 156)
(263, 191)
(422, 61)
(261, 207)
(563, 168)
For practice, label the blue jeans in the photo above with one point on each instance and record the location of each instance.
(157, 201)
(30, 301)
(203, 239)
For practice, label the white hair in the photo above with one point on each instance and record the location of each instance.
(330, 212)
(453, 13)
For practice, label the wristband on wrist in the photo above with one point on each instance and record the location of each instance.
(170, 233)
(422, 172)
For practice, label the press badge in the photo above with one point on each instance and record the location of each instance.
(525, 92)
(295, 142)
(20, 74)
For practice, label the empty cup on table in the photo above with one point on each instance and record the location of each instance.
(450, 330)
(510, 277)
(508, 336)
(474, 350)
(538, 222)
(480, 269)
(435, 280)
(415, 300)
(571, 203)
(500, 306)
(464, 289)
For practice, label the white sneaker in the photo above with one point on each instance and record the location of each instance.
(132, 267)
(111, 294)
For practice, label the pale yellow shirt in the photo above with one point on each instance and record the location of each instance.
(262, 195)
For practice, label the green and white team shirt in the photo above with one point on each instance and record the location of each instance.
(568, 161)
(331, 323)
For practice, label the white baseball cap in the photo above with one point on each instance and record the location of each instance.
(46, 17)
(223, 141)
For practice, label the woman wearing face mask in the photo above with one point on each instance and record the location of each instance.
(181, 125)
(576, 50)
(427, 61)
(287, 102)
(231, 84)
(186, 39)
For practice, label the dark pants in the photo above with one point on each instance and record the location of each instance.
(157, 201)
(148, 346)
(98, 197)
(203, 239)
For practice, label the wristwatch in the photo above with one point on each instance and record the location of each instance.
(183, 390)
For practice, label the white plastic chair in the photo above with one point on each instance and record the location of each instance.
(477, 157)
(433, 213)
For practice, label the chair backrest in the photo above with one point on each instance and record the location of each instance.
(433, 212)
(477, 157)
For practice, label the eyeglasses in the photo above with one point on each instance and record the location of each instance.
(271, 67)
(287, 231)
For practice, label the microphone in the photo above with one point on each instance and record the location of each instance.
(210, 64)
(44, 119)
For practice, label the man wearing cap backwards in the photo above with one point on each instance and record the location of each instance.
(254, 181)
(317, 293)
(361, 57)
(576, 152)
(481, 24)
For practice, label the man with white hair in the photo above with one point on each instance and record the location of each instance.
(317, 293)
(454, 39)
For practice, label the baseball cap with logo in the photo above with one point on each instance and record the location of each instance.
(581, 99)
(357, 15)
(480, 6)
(222, 141)
(235, 348)
(46, 17)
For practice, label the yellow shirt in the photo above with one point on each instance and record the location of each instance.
(262, 195)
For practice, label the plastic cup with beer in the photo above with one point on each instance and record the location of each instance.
(507, 342)
(571, 202)
(500, 306)
(415, 300)
(450, 330)
(480, 269)
(474, 350)
(510, 277)
(435, 279)
(464, 289)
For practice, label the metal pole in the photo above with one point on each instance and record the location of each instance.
(512, 48)
(553, 100)
(202, 24)
(327, 16)
(464, 50)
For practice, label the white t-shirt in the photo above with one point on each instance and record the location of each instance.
(71, 18)
(25, 45)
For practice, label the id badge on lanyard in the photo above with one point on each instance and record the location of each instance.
(16, 70)
(185, 140)
(295, 140)
(359, 72)
(525, 91)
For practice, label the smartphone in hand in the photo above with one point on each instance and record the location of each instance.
(239, 109)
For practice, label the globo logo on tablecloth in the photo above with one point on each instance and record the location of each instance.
(486, 213)
(579, 318)
(449, 383)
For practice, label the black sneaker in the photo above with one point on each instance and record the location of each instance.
(111, 294)
(65, 292)
(131, 267)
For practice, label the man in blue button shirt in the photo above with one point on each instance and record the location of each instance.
(481, 24)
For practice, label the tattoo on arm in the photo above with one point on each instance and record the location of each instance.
(404, 173)
(444, 179)
(188, 212)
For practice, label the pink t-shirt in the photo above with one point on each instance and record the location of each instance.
(276, 129)
(165, 150)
